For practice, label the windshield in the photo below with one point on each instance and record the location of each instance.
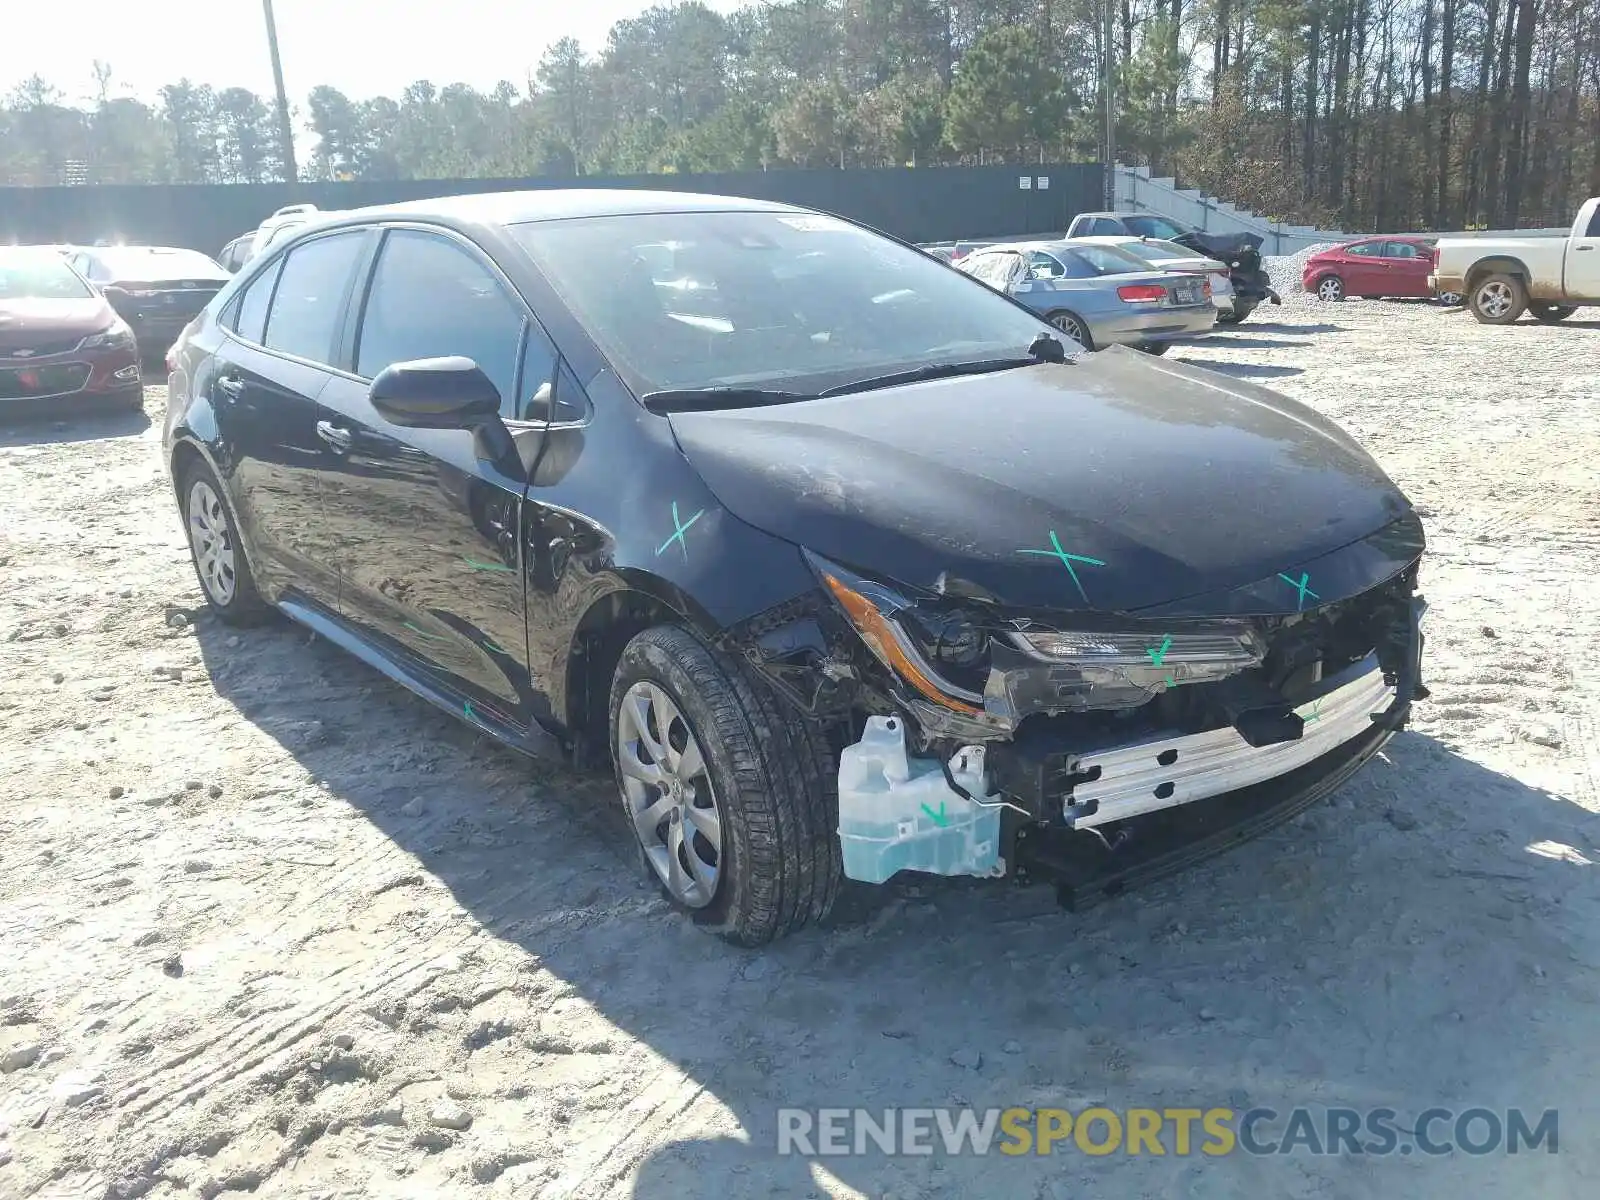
(39, 275)
(142, 262)
(1155, 227)
(1156, 250)
(1108, 260)
(790, 301)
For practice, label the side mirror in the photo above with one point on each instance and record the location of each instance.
(435, 393)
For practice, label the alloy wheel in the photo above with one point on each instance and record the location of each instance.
(1072, 327)
(669, 794)
(212, 541)
(1495, 298)
(1330, 289)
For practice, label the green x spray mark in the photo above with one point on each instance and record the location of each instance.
(938, 818)
(1067, 560)
(478, 565)
(425, 635)
(679, 529)
(1315, 714)
(1300, 586)
(1160, 652)
(466, 710)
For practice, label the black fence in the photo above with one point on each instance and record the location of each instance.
(919, 204)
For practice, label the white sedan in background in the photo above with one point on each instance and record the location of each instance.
(1169, 256)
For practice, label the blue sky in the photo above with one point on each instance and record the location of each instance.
(363, 47)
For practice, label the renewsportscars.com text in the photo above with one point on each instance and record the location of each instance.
(1099, 1131)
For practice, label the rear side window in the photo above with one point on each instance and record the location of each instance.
(251, 321)
(306, 308)
(430, 298)
(1399, 250)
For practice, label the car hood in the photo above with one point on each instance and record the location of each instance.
(1112, 483)
(27, 321)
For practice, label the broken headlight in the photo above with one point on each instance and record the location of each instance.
(944, 656)
(1065, 670)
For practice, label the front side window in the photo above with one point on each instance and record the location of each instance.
(1594, 223)
(431, 298)
(1362, 250)
(29, 275)
(802, 301)
(309, 302)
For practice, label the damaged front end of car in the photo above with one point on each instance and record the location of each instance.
(1071, 748)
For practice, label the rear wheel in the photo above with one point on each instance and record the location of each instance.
(1498, 299)
(1156, 348)
(1237, 316)
(732, 796)
(1450, 299)
(1073, 326)
(219, 558)
(1330, 288)
(1551, 313)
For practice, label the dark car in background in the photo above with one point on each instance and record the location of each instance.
(236, 253)
(1241, 251)
(826, 549)
(157, 290)
(60, 342)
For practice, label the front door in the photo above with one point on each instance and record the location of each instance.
(267, 378)
(431, 565)
(1362, 267)
(1407, 267)
(1582, 273)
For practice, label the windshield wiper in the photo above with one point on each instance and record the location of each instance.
(709, 399)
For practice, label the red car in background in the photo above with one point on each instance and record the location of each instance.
(60, 341)
(1374, 268)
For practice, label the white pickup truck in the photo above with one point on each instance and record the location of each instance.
(1547, 276)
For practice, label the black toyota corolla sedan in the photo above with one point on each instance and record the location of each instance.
(842, 561)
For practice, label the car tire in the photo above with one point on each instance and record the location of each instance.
(1551, 313)
(1449, 299)
(219, 557)
(1330, 289)
(1498, 299)
(1237, 316)
(1073, 326)
(763, 779)
(1156, 348)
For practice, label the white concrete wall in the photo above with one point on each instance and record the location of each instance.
(1138, 191)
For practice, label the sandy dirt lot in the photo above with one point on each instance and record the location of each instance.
(271, 925)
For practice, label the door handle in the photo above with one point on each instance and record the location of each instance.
(231, 387)
(1583, 247)
(336, 437)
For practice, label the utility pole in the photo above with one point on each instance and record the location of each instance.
(285, 129)
(1109, 87)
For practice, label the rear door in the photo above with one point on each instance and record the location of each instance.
(264, 387)
(431, 565)
(1406, 268)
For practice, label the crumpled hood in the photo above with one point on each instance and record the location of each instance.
(1220, 244)
(1112, 483)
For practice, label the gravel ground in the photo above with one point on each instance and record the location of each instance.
(273, 926)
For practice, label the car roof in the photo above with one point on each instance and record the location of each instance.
(557, 204)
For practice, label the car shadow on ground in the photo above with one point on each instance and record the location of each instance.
(1242, 370)
(1281, 327)
(58, 426)
(1234, 341)
(1399, 923)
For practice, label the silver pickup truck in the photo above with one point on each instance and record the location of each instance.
(1503, 277)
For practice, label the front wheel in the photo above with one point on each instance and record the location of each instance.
(1551, 313)
(1330, 288)
(1073, 326)
(1498, 299)
(732, 796)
